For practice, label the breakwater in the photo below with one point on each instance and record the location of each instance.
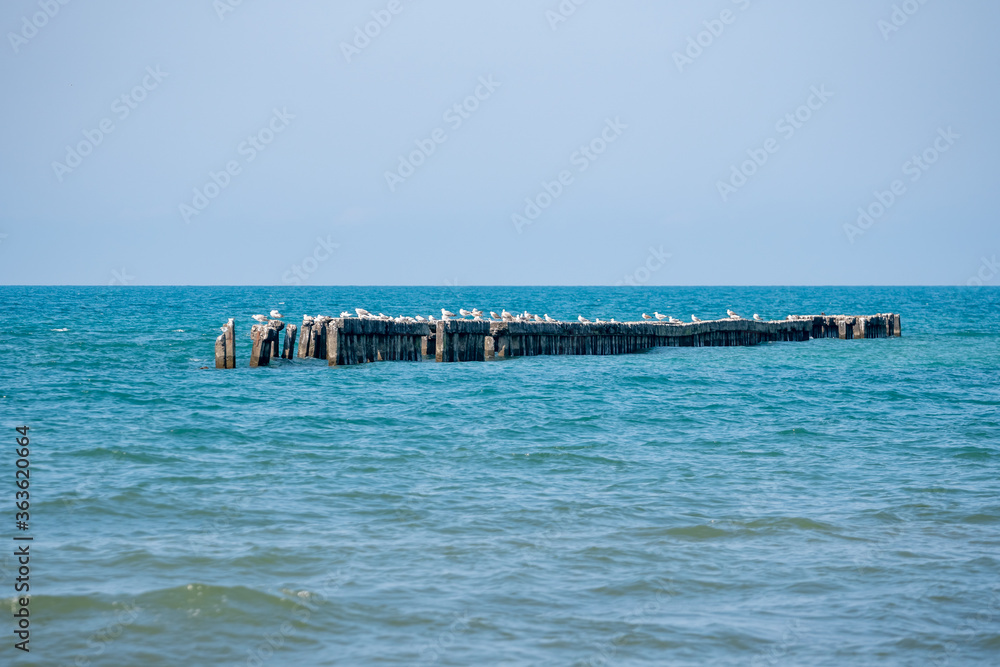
(347, 341)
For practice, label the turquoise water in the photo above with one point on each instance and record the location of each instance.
(828, 502)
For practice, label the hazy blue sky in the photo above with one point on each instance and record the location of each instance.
(184, 85)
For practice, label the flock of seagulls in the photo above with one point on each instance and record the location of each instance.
(493, 316)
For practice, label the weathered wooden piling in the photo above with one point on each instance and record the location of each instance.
(307, 325)
(461, 340)
(263, 336)
(225, 346)
(278, 326)
(288, 351)
(351, 341)
(348, 341)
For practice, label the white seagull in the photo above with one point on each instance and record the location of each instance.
(362, 312)
(464, 313)
(260, 318)
(550, 319)
(421, 318)
(582, 318)
(446, 313)
(538, 318)
(494, 315)
(344, 314)
(646, 317)
(758, 317)
(695, 319)
(598, 320)
(430, 318)
(732, 314)
(660, 316)
(674, 320)
(507, 316)
(476, 312)
(275, 314)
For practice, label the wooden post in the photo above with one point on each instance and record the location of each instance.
(307, 326)
(225, 352)
(288, 351)
(277, 326)
(258, 334)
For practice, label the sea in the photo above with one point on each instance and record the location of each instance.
(830, 502)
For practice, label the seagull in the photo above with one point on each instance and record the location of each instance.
(660, 316)
(362, 312)
(758, 317)
(674, 320)
(646, 317)
(538, 318)
(550, 319)
(430, 318)
(507, 316)
(476, 312)
(732, 314)
(494, 315)
(598, 320)
(463, 312)
(582, 318)
(260, 318)
(446, 313)
(612, 319)
(695, 319)
(421, 318)
(275, 314)
(344, 314)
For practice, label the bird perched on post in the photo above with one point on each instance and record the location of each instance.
(646, 317)
(732, 314)
(276, 315)
(476, 312)
(695, 319)
(260, 318)
(674, 320)
(659, 316)
(445, 314)
(494, 315)
(508, 317)
(550, 319)
(758, 317)
(421, 318)
(464, 313)
(362, 312)
(582, 318)
(344, 314)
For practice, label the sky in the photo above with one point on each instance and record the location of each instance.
(545, 142)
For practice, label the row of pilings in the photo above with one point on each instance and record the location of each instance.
(352, 341)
